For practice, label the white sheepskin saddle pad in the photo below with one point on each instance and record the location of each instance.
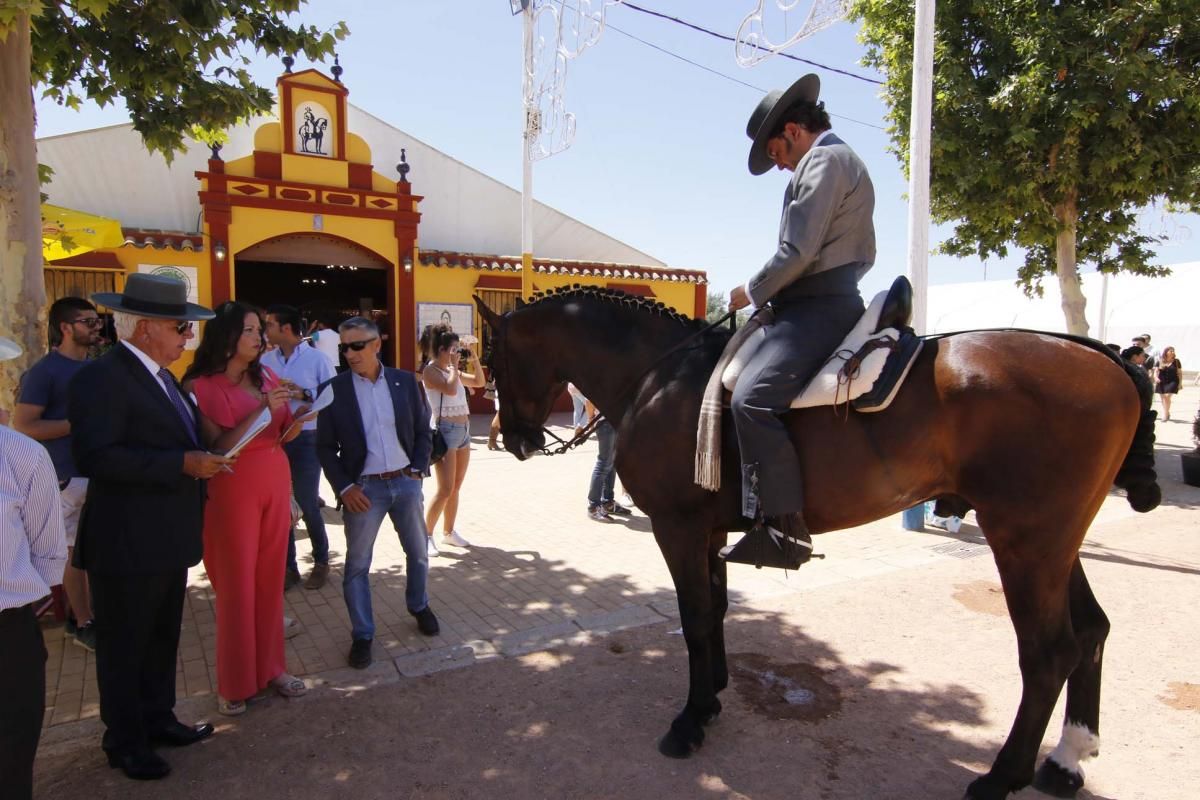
(834, 384)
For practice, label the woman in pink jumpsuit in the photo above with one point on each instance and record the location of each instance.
(248, 513)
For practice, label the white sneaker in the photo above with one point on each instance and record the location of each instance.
(291, 627)
(455, 538)
(430, 548)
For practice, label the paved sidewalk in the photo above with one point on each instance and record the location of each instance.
(540, 573)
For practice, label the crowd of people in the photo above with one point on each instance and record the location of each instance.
(1164, 369)
(127, 477)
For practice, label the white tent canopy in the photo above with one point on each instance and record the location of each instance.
(1166, 308)
(108, 171)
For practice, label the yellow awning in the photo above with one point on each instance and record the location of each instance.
(67, 232)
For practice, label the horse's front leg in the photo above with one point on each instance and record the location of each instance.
(686, 551)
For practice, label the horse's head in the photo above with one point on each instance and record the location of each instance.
(526, 382)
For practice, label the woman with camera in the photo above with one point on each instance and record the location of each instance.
(447, 373)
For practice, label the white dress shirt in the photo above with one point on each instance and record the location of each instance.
(308, 368)
(33, 542)
(153, 367)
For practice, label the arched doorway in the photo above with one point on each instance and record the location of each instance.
(327, 277)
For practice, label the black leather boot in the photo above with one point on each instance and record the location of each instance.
(782, 542)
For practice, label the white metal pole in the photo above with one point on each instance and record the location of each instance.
(913, 519)
(1103, 306)
(527, 136)
(918, 161)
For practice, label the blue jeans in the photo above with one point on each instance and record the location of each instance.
(306, 486)
(604, 477)
(400, 499)
(579, 412)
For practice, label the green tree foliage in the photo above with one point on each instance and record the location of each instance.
(1054, 123)
(177, 64)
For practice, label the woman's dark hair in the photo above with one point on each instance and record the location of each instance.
(811, 116)
(220, 340)
(435, 338)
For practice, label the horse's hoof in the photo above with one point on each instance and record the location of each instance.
(676, 743)
(1057, 781)
(985, 788)
(712, 715)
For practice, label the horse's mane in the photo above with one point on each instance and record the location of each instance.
(615, 296)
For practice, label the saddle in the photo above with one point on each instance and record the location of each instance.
(868, 367)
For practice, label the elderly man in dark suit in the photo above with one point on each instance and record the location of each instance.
(374, 443)
(134, 437)
(826, 245)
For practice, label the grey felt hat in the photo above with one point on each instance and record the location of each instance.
(153, 296)
(766, 117)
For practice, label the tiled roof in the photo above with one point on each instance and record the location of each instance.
(546, 266)
(160, 240)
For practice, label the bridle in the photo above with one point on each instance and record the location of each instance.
(587, 430)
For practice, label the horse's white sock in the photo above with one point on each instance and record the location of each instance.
(1077, 744)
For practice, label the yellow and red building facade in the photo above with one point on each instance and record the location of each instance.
(306, 213)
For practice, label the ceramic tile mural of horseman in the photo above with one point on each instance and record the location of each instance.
(313, 130)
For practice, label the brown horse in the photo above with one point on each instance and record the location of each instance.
(1030, 430)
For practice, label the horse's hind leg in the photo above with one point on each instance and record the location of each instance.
(1060, 774)
(1035, 588)
(686, 551)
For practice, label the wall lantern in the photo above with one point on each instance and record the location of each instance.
(408, 263)
(219, 251)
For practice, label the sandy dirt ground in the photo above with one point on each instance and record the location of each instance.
(901, 685)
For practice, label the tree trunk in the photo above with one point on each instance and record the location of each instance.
(22, 291)
(1074, 304)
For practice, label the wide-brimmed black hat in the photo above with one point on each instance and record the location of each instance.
(766, 117)
(153, 296)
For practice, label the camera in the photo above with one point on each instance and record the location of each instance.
(464, 353)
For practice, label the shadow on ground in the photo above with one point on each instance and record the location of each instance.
(582, 721)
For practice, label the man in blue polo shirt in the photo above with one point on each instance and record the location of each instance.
(41, 414)
(304, 369)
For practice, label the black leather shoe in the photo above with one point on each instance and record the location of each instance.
(426, 622)
(179, 735)
(360, 653)
(782, 542)
(141, 765)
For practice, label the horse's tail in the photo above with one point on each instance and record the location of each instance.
(1137, 476)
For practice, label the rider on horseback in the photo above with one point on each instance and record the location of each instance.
(826, 245)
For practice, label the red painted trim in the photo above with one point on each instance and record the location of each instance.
(322, 235)
(406, 314)
(301, 185)
(401, 217)
(340, 199)
(297, 194)
(498, 282)
(219, 271)
(701, 301)
(268, 165)
(360, 176)
(93, 260)
(632, 288)
(286, 117)
(341, 127)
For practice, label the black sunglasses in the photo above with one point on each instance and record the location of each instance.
(182, 327)
(355, 346)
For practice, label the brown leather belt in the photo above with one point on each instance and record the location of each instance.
(384, 476)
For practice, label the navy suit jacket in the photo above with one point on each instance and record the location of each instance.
(142, 513)
(342, 442)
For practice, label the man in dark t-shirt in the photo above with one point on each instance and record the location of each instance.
(41, 414)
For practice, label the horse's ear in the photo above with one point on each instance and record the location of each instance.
(493, 319)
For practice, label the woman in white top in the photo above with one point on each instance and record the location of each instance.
(445, 384)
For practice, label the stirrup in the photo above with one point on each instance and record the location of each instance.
(766, 546)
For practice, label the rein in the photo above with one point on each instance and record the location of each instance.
(587, 430)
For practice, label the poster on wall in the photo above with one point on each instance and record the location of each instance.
(459, 316)
(310, 125)
(189, 275)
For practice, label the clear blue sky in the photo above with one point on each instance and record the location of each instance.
(659, 158)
